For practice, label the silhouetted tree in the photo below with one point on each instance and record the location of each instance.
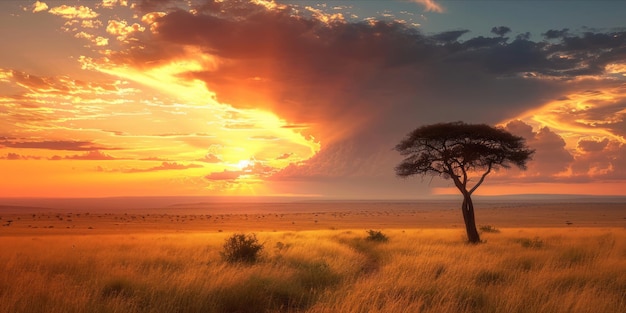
(456, 150)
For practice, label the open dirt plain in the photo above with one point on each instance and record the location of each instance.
(212, 217)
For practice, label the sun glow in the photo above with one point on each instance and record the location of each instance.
(153, 123)
(242, 164)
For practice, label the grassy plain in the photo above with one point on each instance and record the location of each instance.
(545, 258)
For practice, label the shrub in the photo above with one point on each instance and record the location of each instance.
(488, 229)
(242, 248)
(376, 235)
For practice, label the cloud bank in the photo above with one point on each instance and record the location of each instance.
(357, 87)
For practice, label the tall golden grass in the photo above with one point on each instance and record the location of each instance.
(416, 270)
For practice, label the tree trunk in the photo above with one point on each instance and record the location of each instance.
(470, 221)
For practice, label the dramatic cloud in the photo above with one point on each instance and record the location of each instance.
(351, 61)
(600, 159)
(550, 156)
(290, 94)
(358, 87)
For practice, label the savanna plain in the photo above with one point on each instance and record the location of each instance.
(315, 257)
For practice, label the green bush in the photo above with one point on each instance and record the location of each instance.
(242, 248)
(376, 235)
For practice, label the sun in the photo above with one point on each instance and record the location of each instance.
(242, 164)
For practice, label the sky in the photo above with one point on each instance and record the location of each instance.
(303, 99)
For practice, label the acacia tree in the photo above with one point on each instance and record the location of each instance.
(457, 150)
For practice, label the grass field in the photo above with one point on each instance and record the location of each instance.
(329, 266)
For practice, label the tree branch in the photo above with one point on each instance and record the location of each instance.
(482, 178)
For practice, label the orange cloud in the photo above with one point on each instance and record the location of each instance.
(592, 159)
(251, 170)
(90, 24)
(97, 40)
(113, 3)
(90, 155)
(165, 166)
(15, 156)
(430, 5)
(210, 158)
(71, 12)
(122, 30)
(551, 157)
(69, 145)
(39, 7)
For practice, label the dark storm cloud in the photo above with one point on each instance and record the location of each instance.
(500, 30)
(358, 87)
(555, 34)
(449, 36)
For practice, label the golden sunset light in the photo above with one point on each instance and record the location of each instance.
(282, 156)
(270, 98)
